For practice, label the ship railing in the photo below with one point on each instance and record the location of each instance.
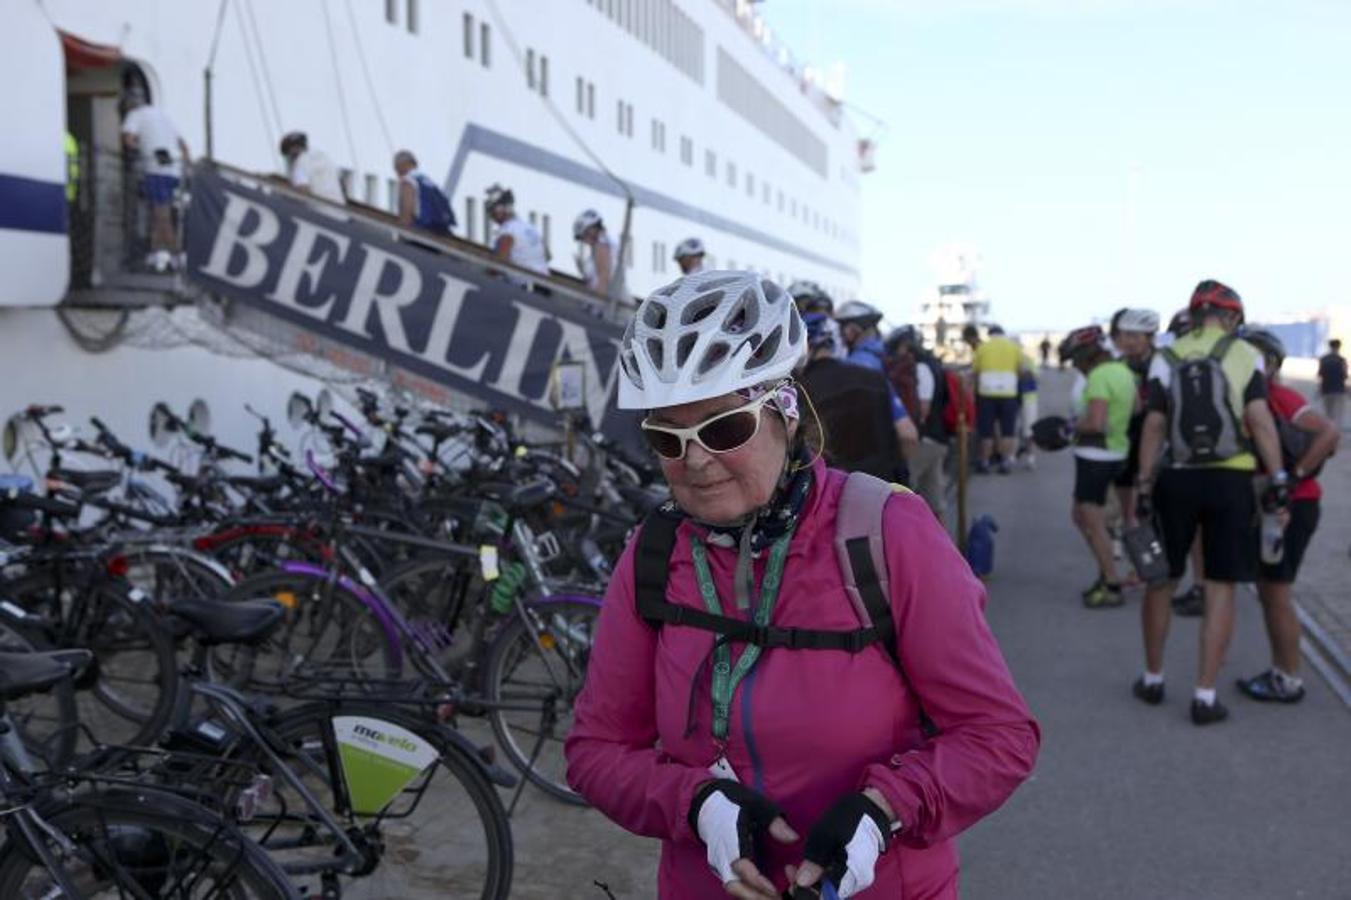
(558, 285)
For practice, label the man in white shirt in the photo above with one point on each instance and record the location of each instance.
(309, 170)
(689, 255)
(517, 241)
(148, 132)
(601, 271)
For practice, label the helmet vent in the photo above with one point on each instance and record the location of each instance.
(744, 315)
(766, 350)
(715, 354)
(721, 281)
(684, 347)
(655, 316)
(700, 308)
(655, 352)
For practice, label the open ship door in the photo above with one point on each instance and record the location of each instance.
(34, 219)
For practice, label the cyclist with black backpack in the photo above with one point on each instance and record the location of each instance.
(792, 680)
(927, 460)
(1208, 400)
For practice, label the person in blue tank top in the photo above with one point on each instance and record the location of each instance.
(422, 203)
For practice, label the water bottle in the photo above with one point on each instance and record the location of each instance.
(980, 546)
(1273, 539)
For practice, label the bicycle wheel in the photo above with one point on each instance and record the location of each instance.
(145, 845)
(126, 695)
(536, 669)
(329, 633)
(167, 573)
(446, 832)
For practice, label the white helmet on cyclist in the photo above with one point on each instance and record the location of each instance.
(1144, 321)
(691, 246)
(588, 218)
(706, 335)
(864, 314)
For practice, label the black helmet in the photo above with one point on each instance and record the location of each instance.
(1181, 323)
(496, 196)
(906, 335)
(1266, 342)
(293, 140)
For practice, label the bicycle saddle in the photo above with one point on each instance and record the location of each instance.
(216, 622)
(91, 481)
(22, 674)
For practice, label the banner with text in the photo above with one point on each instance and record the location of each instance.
(437, 316)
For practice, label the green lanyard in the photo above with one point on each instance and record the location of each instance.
(726, 677)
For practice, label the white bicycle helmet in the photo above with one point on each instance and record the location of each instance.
(706, 335)
(585, 220)
(689, 247)
(864, 314)
(1145, 321)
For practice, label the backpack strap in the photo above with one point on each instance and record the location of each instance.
(1222, 346)
(863, 564)
(652, 562)
(860, 553)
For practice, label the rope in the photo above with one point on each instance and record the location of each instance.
(366, 73)
(337, 78)
(549, 104)
(257, 86)
(262, 59)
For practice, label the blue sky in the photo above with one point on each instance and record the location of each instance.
(1099, 152)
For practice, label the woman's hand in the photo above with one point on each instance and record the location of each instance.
(845, 842)
(729, 817)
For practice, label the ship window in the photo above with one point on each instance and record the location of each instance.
(750, 185)
(484, 44)
(710, 164)
(392, 12)
(468, 36)
(392, 195)
(545, 224)
(530, 68)
(581, 95)
(412, 17)
(591, 100)
(619, 115)
(765, 184)
(686, 151)
(471, 218)
(628, 119)
(543, 75)
(731, 174)
(780, 201)
(534, 219)
(372, 194)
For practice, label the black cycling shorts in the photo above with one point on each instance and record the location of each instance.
(1094, 477)
(1126, 478)
(1303, 523)
(1001, 410)
(1221, 503)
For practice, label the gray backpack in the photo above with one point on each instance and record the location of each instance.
(1202, 426)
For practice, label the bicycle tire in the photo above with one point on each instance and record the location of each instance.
(240, 868)
(306, 645)
(465, 851)
(565, 625)
(131, 644)
(168, 573)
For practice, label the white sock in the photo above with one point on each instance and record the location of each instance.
(1152, 678)
(1286, 680)
(1205, 695)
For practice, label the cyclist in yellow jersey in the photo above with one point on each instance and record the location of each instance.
(1207, 398)
(995, 365)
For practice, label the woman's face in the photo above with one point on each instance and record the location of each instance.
(721, 488)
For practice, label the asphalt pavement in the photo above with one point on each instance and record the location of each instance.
(1127, 801)
(1132, 801)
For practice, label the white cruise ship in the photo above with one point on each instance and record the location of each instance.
(685, 106)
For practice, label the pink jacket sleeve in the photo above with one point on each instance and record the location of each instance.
(987, 740)
(611, 751)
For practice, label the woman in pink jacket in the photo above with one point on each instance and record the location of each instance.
(760, 762)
